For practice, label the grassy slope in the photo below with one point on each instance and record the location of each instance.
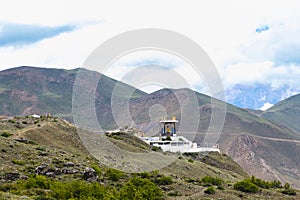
(285, 113)
(29, 90)
(55, 142)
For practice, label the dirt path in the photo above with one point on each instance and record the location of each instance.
(276, 139)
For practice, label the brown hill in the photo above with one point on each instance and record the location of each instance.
(28, 90)
(51, 146)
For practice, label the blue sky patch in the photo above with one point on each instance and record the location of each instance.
(262, 28)
(24, 34)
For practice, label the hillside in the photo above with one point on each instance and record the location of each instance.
(29, 90)
(51, 148)
(254, 142)
(285, 113)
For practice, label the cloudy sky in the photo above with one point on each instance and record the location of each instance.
(255, 45)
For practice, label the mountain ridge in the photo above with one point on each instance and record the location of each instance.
(244, 131)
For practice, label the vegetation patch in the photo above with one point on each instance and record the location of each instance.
(288, 190)
(18, 162)
(97, 169)
(209, 181)
(6, 134)
(140, 188)
(246, 186)
(210, 190)
(46, 188)
(164, 180)
(265, 184)
(114, 175)
(253, 185)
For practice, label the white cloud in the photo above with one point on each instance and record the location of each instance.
(266, 106)
(162, 65)
(225, 29)
(263, 73)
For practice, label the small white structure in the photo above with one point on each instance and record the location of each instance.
(169, 141)
(36, 116)
(113, 131)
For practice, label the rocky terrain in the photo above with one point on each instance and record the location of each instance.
(268, 141)
(38, 155)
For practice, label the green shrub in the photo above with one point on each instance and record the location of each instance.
(140, 188)
(275, 184)
(190, 160)
(164, 180)
(7, 187)
(40, 149)
(18, 162)
(246, 186)
(154, 148)
(113, 174)
(288, 190)
(208, 181)
(24, 122)
(97, 169)
(6, 134)
(174, 194)
(193, 180)
(81, 190)
(145, 175)
(168, 138)
(37, 186)
(37, 181)
(221, 187)
(210, 190)
(260, 183)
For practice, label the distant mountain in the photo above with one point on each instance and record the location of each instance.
(286, 113)
(252, 141)
(256, 95)
(29, 90)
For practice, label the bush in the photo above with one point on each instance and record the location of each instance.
(113, 174)
(140, 188)
(154, 148)
(40, 149)
(275, 184)
(78, 189)
(260, 183)
(168, 138)
(145, 175)
(174, 194)
(190, 160)
(193, 180)
(164, 180)
(81, 190)
(18, 162)
(246, 186)
(210, 190)
(97, 169)
(6, 134)
(221, 187)
(208, 181)
(288, 190)
(37, 181)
